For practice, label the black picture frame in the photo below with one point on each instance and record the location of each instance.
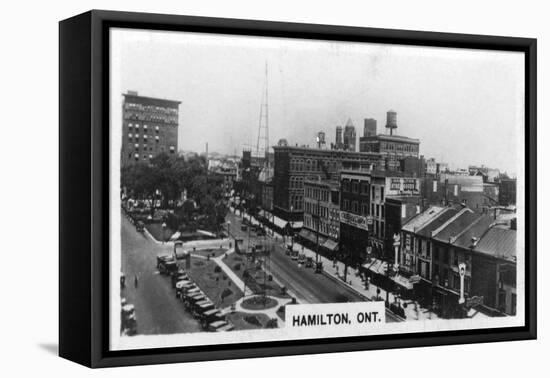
(84, 189)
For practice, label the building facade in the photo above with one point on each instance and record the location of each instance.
(321, 227)
(294, 165)
(149, 127)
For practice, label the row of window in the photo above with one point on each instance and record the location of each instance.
(132, 126)
(326, 228)
(317, 193)
(297, 164)
(388, 146)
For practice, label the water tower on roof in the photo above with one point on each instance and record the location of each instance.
(391, 121)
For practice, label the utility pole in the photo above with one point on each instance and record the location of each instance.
(318, 216)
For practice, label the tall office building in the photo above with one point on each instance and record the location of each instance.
(149, 127)
(349, 136)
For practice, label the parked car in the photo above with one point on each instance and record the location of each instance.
(226, 328)
(213, 327)
(178, 276)
(211, 316)
(128, 323)
(309, 262)
(319, 267)
(201, 307)
(162, 259)
(192, 299)
(168, 267)
(140, 226)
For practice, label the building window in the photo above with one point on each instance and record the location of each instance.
(345, 205)
(354, 187)
(382, 193)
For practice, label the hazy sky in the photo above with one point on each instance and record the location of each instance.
(465, 106)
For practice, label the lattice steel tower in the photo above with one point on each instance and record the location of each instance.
(263, 124)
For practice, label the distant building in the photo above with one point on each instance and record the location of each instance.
(149, 127)
(431, 166)
(395, 147)
(488, 174)
(450, 188)
(350, 138)
(339, 141)
(369, 129)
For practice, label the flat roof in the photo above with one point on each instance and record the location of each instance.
(390, 138)
(135, 96)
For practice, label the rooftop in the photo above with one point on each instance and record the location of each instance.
(391, 138)
(437, 222)
(423, 218)
(498, 242)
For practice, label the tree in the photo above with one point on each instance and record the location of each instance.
(140, 179)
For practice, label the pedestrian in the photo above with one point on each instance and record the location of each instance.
(135, 281)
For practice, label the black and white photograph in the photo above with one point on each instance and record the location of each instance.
(267, 189)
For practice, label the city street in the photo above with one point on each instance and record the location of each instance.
(308, 286)
(157, 309)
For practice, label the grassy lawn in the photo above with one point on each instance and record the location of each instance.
(216, 285)
(155, 229)
(258, 303)
(239, 264)
(243, 320)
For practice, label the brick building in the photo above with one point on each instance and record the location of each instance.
(149, 127)
(294, 165)
(321, 227)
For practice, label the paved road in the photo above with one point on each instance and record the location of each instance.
(309, 287)
(157, 309)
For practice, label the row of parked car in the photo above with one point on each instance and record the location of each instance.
(193, 298)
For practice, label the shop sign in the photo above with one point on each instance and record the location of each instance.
(354, 220)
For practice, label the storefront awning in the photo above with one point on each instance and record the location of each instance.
(376, 266)
(312, 236)
(331, 245)
(403, 281)
(281, 223)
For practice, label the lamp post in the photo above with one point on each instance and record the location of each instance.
(163, 232)
(462, 272)
(291, 228)
(396, 243)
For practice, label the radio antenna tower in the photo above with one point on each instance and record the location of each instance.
(263, 124)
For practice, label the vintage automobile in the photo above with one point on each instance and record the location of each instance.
(288, 250)
(294, 255)
(180, 275)
(189, 291)
(301, 258)
(140, 226)
(211, 316)
(309, 262)
(213, 327)
(184, 286)
(162, 259)
(192, 299)
(201, 307)
(319, 267)
(128, 322)
(168, 267)
(226, 328)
